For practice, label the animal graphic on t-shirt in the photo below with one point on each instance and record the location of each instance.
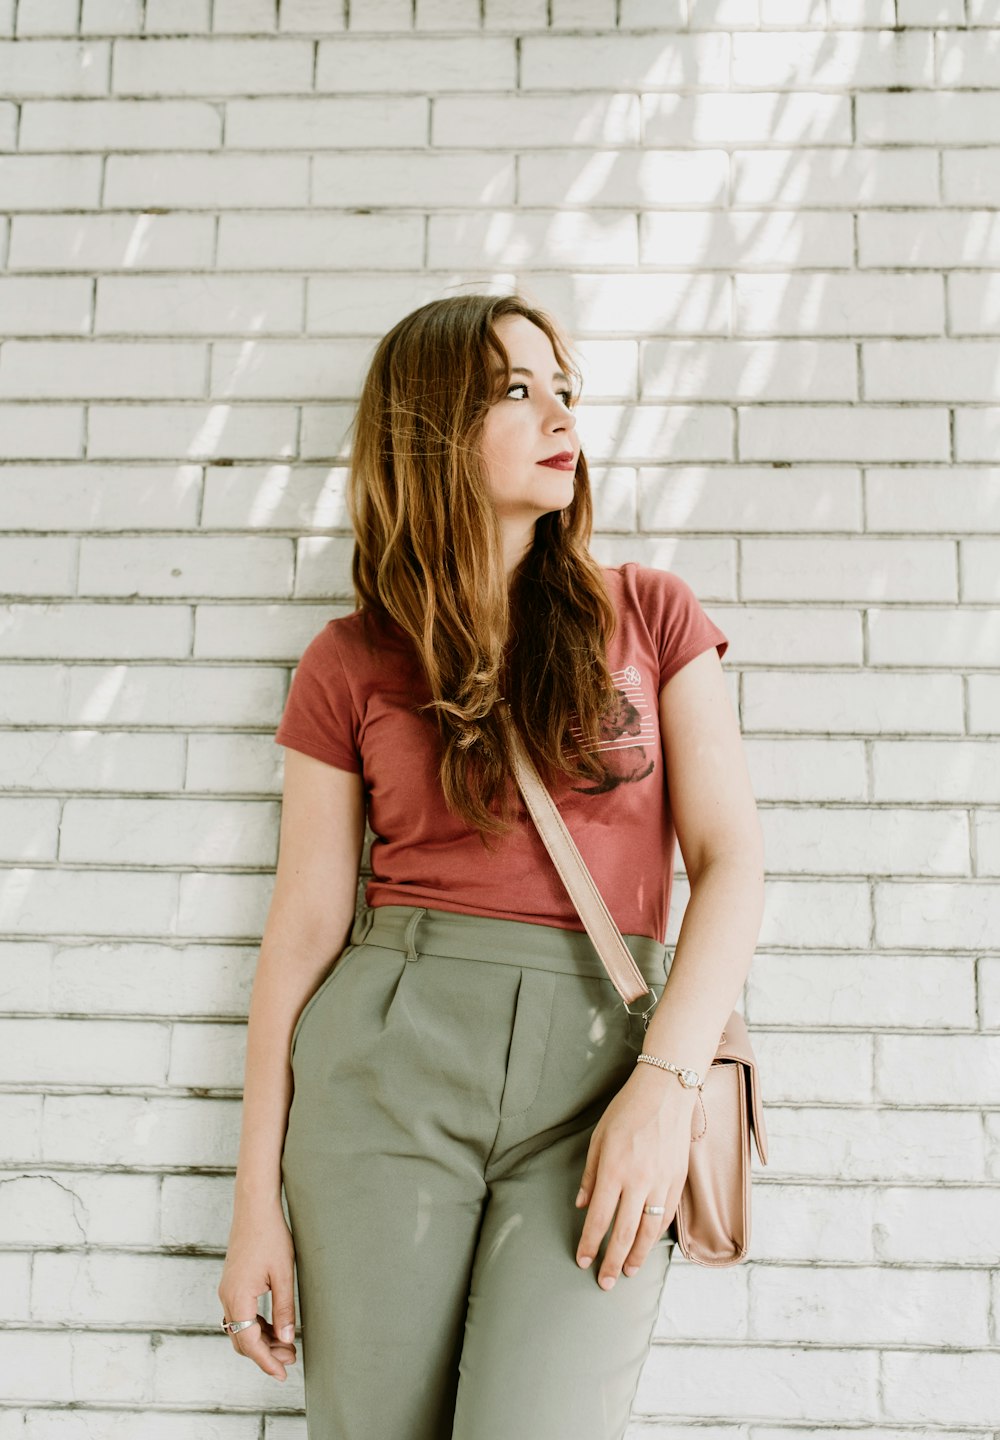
(627, 736)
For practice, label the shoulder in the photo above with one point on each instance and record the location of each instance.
(345, 635)
(648, 587)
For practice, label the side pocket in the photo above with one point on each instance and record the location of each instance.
(321, 989)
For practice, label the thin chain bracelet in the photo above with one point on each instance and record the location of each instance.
(688, 1078)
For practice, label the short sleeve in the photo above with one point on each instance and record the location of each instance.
(320, 718)
(677, 622)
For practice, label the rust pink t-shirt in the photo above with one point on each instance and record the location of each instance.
(352, 708)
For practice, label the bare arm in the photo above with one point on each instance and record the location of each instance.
(310, 918)
(720, 838)
(309, 921)
(640, 1149)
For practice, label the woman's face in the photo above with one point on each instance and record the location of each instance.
(527, 425)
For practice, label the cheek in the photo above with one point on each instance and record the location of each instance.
(498, 442)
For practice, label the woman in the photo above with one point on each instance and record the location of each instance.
(434, 1097)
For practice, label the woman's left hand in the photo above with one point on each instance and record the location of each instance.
(639, 1155)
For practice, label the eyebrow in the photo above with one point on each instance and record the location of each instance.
(520, 370)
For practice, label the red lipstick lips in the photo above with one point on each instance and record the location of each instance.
(565, 461)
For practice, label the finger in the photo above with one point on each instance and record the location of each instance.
(652, 1229)
(283, 1308)
(625, 1231)
(252, 1343)
(282, 1350)
(599, 1216)
(587, 1181)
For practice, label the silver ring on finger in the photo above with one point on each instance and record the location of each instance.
(232, 1327)
(654, 1209)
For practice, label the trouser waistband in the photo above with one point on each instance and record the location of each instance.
(418, 929)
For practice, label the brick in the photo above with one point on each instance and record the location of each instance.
(319, 242)
(182, 832)
(210, 305)
(936, 1224)
(123, 1290)
(843, 433)
(301, 497)
(206, 182)
(929, 370)
(82, 1052)
(915, 500)
(857, 569)
(29, 829)
(973, 304)
(978, 570)
(930, 239)
(552, 238)
(215, 67)
(54, 67)
(145, 979)
(91, 497)
(616, 62)
(866, 839)
(830, 177)
(33, 305)
(986, 833)
(946, 1069)
(190, 432)
(119, 125)
(946, 1387)
(926, 914)
(99, 902)
(798, 60)
(50, 182)
(737, 238)
(420, 181)
(852, 702)
(110, 242)
(134, 1130)
(859, 1305)
(81, 759)
(788, 768)
(414, 65)
(44, 1366)
(744, 370)
(530, 121)
(210, 566)
(327, 123)
(934, 770)
(789, 1382)
(969, 639)
(42, 432)
(875, 1143)
(31, 566)
(103, 369)
(845, 304)
(889, 990)
(812, 1067)
(811, 1223)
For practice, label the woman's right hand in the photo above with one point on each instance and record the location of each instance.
(261, 1257)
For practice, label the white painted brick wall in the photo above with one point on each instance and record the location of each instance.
(773, 229)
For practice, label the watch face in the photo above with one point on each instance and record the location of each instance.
(689, 1077)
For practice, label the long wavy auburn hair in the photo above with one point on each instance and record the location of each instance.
(428, 555)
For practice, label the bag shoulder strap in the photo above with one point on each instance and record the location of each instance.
(597, 919)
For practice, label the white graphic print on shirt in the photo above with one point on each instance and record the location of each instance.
(628, 735)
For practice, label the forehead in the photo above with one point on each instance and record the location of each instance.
(529, 349)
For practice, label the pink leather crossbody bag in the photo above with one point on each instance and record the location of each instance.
(713, 1214)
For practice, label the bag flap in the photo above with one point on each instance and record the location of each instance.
(735, 1045)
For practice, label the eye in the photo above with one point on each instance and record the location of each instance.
(523, 385)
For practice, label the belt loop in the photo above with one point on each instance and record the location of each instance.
(362, 925)
(410, 934)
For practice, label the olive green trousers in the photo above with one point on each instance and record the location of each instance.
(449, 1072)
